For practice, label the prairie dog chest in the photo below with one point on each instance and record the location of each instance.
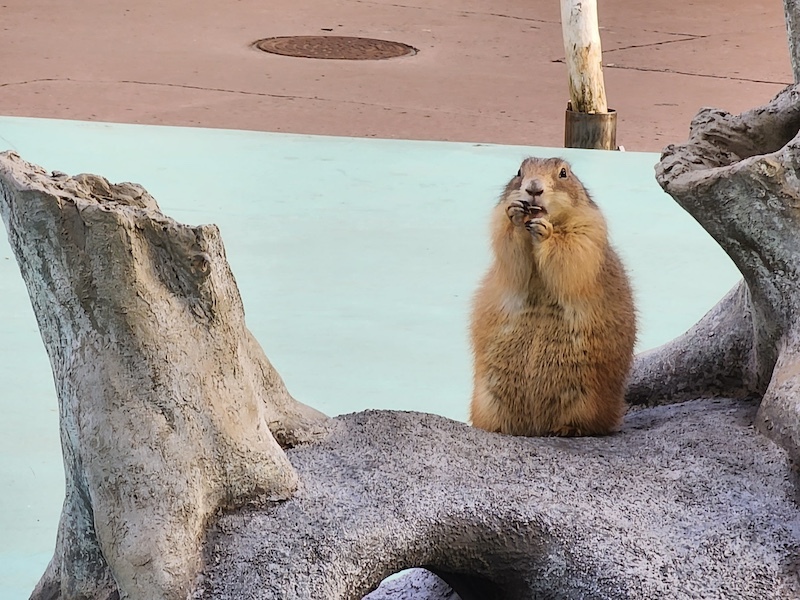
(523, 322)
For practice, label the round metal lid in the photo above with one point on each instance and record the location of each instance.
(334, 47)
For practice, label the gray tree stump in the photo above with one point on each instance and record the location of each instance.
(169, 409)
(739, 177)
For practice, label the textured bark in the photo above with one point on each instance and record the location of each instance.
(169, 409)
(713, 359)
(686, 502)
(738, 177)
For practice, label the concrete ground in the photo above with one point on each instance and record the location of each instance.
(485, 71)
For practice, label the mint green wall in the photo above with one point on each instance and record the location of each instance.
(356, 260)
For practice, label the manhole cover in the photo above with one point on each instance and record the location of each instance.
(334, 46)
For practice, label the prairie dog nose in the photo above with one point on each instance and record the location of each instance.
(535, 188)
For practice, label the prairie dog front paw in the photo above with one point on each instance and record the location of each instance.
(540, 228)
(517, 210)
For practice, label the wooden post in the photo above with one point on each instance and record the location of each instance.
(594, 127)
(583, 55)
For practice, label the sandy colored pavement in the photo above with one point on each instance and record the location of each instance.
(485, 71)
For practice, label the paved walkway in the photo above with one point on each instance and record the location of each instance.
(485, 71)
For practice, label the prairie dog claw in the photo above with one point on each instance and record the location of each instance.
(517, 210)
(540, 228)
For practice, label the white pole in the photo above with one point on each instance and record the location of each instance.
(584, 55)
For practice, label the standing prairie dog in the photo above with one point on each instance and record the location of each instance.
(553, 323)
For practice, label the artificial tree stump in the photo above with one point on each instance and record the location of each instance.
(739, 177)
(169, 410)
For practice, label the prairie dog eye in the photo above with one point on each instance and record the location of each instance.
(519, 173)
(562, 173)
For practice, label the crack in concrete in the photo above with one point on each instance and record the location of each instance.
(369, 104)
(517, 18)
(463, 12)
(154, 83)
(175, 85)
(676, 72)
(665, 42)
(9, 146)
(469, 113)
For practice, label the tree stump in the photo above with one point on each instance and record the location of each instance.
(739, 177)
(791, 11)
(686, 502)
(169, 409)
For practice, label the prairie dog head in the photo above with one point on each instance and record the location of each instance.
(551, 188)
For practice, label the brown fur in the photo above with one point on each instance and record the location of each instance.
(553, 323)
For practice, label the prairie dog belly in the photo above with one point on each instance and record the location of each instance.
(535, 368)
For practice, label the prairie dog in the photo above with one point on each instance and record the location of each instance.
(553, 321)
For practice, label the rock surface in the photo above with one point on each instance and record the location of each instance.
(688, 501)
